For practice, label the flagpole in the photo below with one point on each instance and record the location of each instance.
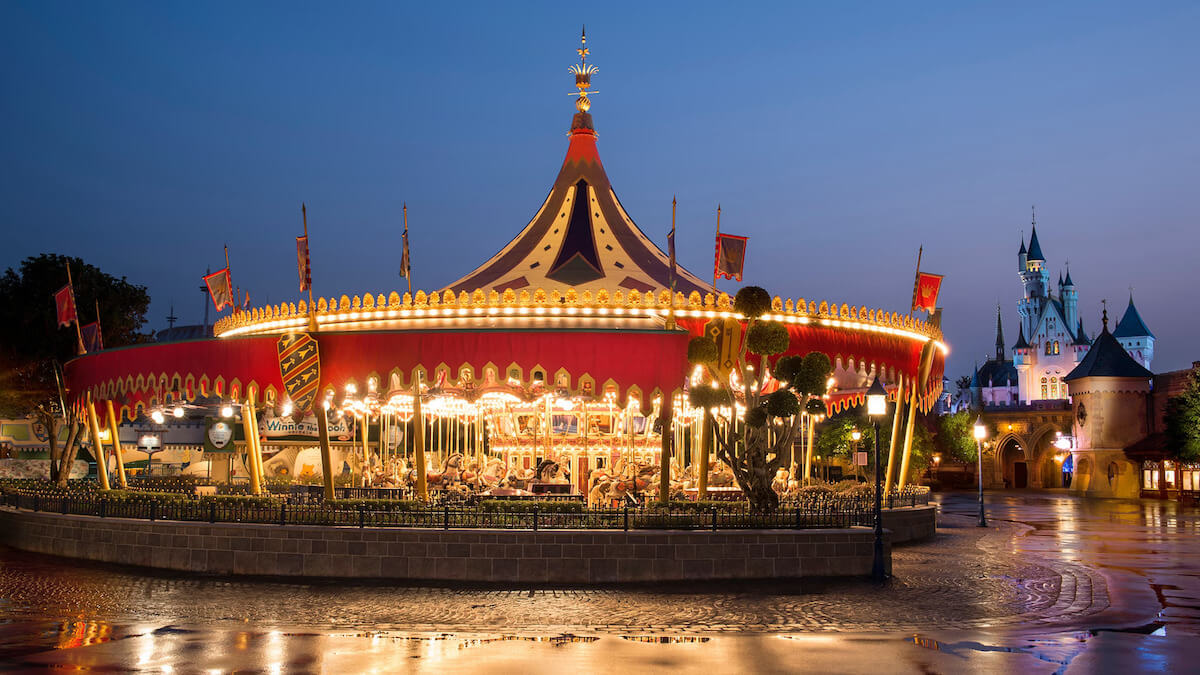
(312, 309)
(408, 271)
(99, 332)
(75, 306)
(229, 281)
(916, 281)
(671, 307)
(718, 244)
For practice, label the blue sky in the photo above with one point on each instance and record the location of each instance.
(839, 137)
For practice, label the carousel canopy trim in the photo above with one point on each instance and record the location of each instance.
(375, 313)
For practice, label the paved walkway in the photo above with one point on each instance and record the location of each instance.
(1053, 584)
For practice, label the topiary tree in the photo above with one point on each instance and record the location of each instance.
(752, 448)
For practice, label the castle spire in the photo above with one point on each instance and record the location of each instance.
(999, 335)
(1035, 248)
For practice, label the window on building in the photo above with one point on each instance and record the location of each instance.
(1056, 346)
(1049, 347)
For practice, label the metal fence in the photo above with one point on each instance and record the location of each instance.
(829, 512)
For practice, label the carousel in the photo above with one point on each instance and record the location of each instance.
(556, 367)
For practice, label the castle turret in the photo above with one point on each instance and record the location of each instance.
(1109, 394)
(1134, 336)
(1036, 281)
(1070, 301)
(1022, 256)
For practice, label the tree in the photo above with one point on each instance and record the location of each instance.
(752, 447)
(956, 436)
(963, 384)
(1183, 421)
(34, 341)
(834, 436)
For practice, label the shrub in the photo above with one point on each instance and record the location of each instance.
(752, 302)
(702, 350)
(374, 504)
(528, 505)
(767, 338)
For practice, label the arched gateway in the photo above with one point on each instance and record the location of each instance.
(568, 346)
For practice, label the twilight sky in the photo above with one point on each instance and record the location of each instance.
(839, 137)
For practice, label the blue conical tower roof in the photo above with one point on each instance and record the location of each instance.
(1107, 358)
(1131, 324)
(1035, 248)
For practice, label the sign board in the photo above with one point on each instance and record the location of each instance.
(860, 458)
(218, 435)
(285, 428)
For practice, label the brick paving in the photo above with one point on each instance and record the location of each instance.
(966, 577)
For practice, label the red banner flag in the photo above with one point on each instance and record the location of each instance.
(302, 263)
(220, 288)
(93, 341)
(925, 292)
(64, 302)
(731, 256)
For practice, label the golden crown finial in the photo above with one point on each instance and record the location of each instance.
(583, 75)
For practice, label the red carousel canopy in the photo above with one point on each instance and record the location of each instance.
(645, 363)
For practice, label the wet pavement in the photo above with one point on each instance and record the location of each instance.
(1055, 584)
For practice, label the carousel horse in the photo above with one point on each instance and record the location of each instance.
(470, 475)
(450, 473)
(550, 471)
(518, 479)
(780, 483)
(719, 475)
(493, 473)
(599, 484)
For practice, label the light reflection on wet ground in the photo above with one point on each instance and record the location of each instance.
(1057, 585)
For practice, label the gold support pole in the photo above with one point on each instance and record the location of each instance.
(366, 463)
(326, 454)
(706, 442)
(419, 427)
(97, 446)
(258, 454)
(249, 432)
(116, 443)
(808, 449)
(908, 437)
(664, 455)
(896, 417)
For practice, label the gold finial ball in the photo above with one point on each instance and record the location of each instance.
(583, 104)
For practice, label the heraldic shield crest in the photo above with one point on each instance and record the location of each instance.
(300, 367)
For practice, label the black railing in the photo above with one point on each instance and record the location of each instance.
(829, 511)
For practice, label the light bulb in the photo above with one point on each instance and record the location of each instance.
(157, 416)
(226, 410)
(178, 411)
(287, 409)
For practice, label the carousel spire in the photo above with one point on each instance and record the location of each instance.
(583, 75)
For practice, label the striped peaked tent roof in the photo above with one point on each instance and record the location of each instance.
(581, 238)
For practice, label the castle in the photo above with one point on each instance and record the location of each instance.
(1051, 340)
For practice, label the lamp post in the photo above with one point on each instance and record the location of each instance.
(876, 408)
(980, 433)
(856, 436)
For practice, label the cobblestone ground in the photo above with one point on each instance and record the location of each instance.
(1031, 591)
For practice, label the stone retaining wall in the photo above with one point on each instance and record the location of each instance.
(498, 556)
(915, 523)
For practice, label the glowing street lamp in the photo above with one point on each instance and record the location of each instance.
(876, 408)
(980, 433)
(227, 410)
